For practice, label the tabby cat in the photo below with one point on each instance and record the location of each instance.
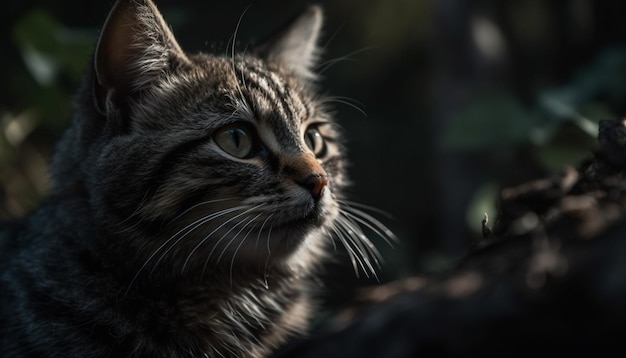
(193, 198)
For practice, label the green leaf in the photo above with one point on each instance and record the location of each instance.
(49, 49)
(489, 120)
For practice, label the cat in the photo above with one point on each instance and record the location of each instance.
(193, 198)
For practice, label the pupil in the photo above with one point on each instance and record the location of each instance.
(312, 142)
(234, 133)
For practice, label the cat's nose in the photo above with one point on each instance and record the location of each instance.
(315, 184)
(307, 172)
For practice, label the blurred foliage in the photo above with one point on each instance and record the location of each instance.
(52, 60)
(558, 128)
(490, 120)
(47, 48)
(53, 55)
(498, 118)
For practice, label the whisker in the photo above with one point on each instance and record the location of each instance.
(365, 223)
(362, 246)
(233, 38)
(256, 244)
(346, 101)
(137, 209)
(366, 207)
(334, 244)
(197, 247)
(195, 206)
(269, 240)
(371, 222)
(351, 253)
(269, 254)
(348, 228)
(232, 262)
(199, 222)
(322, 67)
(194, 225)
(352, 227)
(235, 236)
(267, 261)
(330, 63)
(332, 37)
(339, 236)
(233, 57)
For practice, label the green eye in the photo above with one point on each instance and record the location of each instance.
(314, 140)
(235, 141)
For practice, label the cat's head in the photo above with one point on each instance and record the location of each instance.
(200, 160)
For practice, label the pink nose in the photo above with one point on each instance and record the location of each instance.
(315, 184)
(306, 171)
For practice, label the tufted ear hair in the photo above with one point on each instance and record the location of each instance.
(135, 48)
(295, 45)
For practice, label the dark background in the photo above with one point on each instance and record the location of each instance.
(454, 99)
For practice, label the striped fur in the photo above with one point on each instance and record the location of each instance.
(158, 242)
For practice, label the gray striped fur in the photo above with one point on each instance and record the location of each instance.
(155, 241)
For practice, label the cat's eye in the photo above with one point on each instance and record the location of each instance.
(314, 140)
(235, 140)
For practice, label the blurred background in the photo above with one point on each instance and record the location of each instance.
(447, 101)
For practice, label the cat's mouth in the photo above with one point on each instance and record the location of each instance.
(307, 220)
(302, 220)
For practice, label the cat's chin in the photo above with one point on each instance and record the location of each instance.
(293, 232)
(285, 237)
(314, 217)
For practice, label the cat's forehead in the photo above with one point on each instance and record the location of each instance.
(258, 90)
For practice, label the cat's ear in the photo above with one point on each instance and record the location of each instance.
(295, 45)
(135, 48)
